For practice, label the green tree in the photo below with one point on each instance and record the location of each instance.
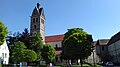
(16, 51)
(3, 33)
(28, 55)
(32, 42)
(76, 45)
(36, 45)
(25, 38)
(13, 38)
(48, 53)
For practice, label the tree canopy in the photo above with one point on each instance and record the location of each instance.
(32, 42)
(16, 51)
(76, 44)
(28, 55)
(3, 33)
(19, 53)
(48, 53)
(36, 45)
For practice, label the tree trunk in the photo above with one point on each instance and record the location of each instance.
(78, 62)
(48, 65)
(81, 62)
(68, 63)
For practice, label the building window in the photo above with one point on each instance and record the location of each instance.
(33, 20)
(36, 19)
(5, 55)
(42, 21)
(103, 48)
(56, 58)
(34, 26)
(5, 48)
(56, 46)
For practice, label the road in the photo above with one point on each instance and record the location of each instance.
(114, 66)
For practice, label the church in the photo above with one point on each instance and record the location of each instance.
(37, 25)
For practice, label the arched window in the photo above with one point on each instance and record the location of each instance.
(36, 19)
(33, 20)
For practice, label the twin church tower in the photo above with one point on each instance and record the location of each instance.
(37, 22)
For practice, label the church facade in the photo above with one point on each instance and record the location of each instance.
(37, 25)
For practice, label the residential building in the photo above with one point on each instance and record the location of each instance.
(102, 49)
(4, 53)
(114, 48)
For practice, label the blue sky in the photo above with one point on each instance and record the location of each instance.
(101, 18)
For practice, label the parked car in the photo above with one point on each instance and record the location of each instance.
(109, 64)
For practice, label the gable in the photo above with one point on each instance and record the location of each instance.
(4, 46)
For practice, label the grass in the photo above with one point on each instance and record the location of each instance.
(84, 65)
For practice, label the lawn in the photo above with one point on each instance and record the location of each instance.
(84, 65)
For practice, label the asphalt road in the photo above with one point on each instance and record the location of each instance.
(114, 66)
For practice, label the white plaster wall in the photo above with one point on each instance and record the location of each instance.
(59, 44)
(4, 53)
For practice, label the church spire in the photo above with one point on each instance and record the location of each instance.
(38, 4)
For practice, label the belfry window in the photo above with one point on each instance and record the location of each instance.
(34, 26)
(42, 21)
(36, 19)
(33, 20)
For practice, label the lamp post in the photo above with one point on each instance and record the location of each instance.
(92, 47)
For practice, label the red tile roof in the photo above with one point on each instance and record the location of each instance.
(54, 38)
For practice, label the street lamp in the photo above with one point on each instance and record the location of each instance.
(92, 47)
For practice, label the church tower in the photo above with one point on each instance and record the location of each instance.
(37, 22)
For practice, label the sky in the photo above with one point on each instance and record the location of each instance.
(101, 18)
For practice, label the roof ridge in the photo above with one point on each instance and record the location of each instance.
(54, 35)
